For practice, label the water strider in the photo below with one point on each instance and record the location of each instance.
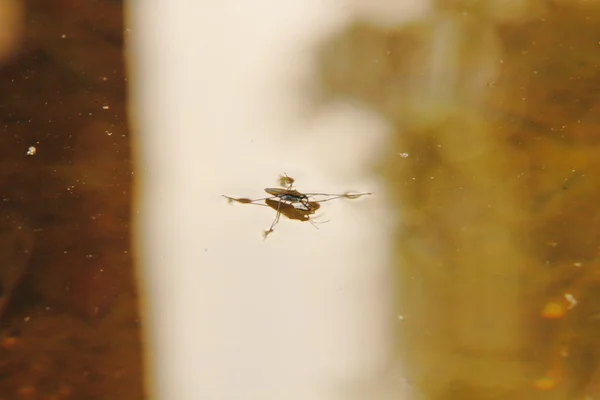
(290, 202)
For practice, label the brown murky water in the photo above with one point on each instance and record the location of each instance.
(69, 327)
(495, 167)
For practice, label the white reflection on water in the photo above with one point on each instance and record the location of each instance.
(221, 103)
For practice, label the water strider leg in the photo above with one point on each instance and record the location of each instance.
(275, 221)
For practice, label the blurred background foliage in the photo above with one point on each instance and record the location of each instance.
(494, 166)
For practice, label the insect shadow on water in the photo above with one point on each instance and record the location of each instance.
(292, 203)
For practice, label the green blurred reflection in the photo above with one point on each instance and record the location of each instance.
(494, 166)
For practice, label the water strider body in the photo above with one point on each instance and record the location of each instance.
(290, 196)
(292, 203)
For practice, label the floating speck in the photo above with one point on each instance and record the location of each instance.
(31, 151)
(571, 300)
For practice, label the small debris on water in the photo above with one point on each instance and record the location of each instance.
(571, 300)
